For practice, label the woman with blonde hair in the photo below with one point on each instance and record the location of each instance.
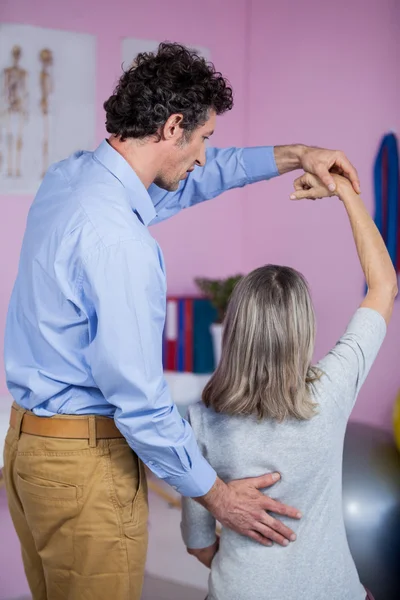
(266, 408)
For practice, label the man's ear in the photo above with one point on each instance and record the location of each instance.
(172, 128)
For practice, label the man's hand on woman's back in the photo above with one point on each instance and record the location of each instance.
(241, 506)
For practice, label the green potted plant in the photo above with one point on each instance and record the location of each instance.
(218, 291)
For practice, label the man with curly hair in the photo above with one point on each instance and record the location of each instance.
(84, 335)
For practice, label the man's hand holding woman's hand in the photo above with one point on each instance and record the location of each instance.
(321, 162)
(325, 164)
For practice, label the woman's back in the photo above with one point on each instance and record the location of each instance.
(308, 455)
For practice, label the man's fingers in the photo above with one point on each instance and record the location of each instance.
(277, 526)
(326, 178)
(336, 169)
(257, 537)
(323, 163)
(264, 481)
(266, 527)
(272, 535)
(281, 509)
(275, 531)
(348, 171)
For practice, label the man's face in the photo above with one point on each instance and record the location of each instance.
(183, 155)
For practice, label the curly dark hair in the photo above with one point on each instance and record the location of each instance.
(175, 79)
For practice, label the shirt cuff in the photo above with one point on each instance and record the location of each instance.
(259, 163)
(196, 482)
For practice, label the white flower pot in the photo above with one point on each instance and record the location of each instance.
(216, 334)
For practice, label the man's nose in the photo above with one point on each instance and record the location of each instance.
(201, 160)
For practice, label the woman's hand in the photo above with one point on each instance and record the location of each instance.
(310, 187)
(205, 555)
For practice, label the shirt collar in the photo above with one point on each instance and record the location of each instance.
(138, 195)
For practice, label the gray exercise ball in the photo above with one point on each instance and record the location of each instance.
(371, 502)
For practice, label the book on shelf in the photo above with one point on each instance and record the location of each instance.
(187, 342)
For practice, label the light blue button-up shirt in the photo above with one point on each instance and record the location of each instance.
(86, 316)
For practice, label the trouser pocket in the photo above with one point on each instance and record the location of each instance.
(50, 508)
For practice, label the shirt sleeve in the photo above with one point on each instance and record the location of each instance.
(197, 524)
(126, 288)
(348, 364)
(225, 169)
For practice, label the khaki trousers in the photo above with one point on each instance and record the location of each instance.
(80, 511)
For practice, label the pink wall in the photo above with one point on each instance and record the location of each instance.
(301, 71)
(325, 75)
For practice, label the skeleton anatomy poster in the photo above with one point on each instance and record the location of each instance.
(47, 102)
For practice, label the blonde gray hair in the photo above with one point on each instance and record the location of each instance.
(267, 347)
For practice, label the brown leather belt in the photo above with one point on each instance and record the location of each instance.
(79, 427)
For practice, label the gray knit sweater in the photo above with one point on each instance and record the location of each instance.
(308, 454)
